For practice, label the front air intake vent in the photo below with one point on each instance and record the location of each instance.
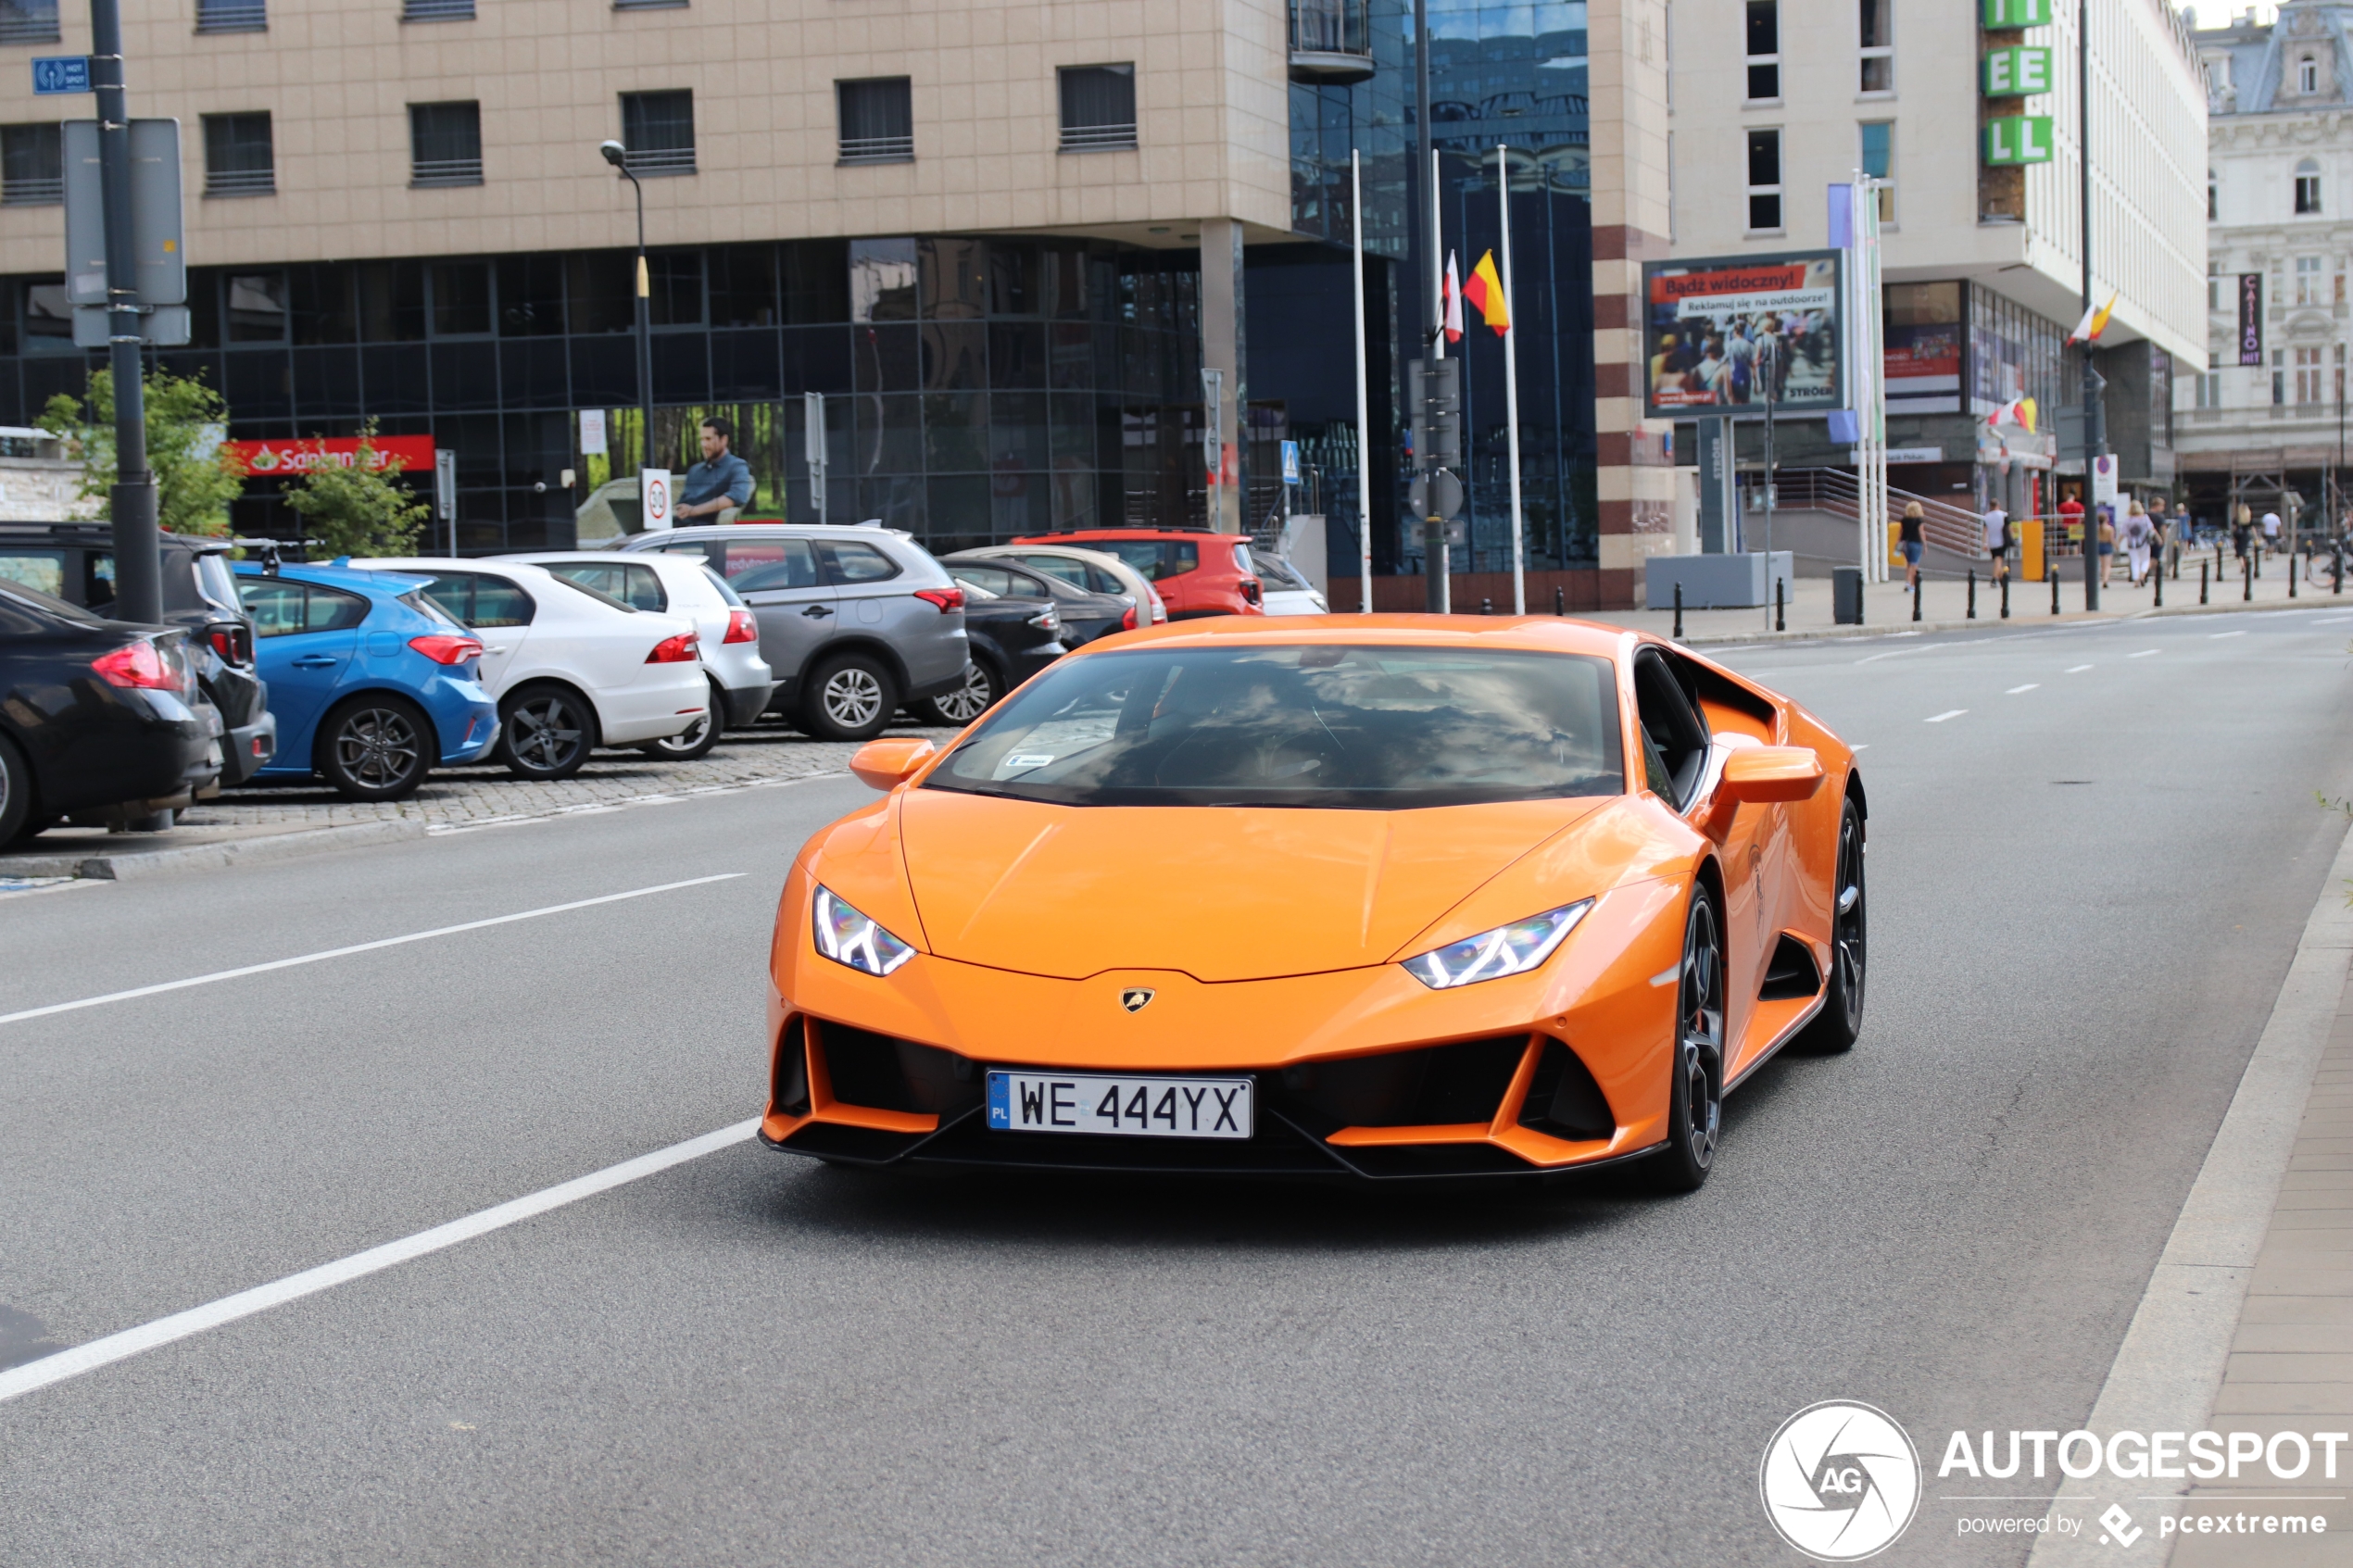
(887, 1074)
(1563, 1100)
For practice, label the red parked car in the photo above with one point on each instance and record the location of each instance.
(1195, 573)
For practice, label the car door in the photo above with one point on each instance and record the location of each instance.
(779, 579)
(496, 609)
(304, 637)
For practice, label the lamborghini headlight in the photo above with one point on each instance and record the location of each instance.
(1508, 950)
(848, 937)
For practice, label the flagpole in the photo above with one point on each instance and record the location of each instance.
(1510, 383)
(1364, 401)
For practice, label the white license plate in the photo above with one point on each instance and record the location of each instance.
(1088, 1102)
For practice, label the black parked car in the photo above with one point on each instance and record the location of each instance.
(1012, 635)
(74, 561)
(1085, 615)
(100, 721)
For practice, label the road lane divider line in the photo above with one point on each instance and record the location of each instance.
(2218, 636)
(238, 973)
(2145, 653)
(2079, 669)
(2030, 687)
(1948, 713)
(96, 1353)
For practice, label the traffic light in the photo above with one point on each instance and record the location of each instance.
(1434, 394)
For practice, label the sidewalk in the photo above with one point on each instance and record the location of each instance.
(1887, 607)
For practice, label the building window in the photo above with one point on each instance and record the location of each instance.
(236, 156)
(1764, 180)
(2308, 186)
(1879, 162)
(1099, 108)
(2308, 75)
(2279, 379)
(658, 129)
(2209, 390)
(33, 171)
(878, 120)
(28, 21)
(437, 10)
(2214, 286)
(1764, 49)
(649, 4)
(445, 144)
(2307, 375)
(232, 16)
(2308, 279)
(2213, 205)
(1878, 47)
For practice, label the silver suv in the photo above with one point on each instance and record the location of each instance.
(853, 622)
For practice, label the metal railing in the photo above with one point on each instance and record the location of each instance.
(446, 171)
(32, 192)
(241, 182)
(1834, 491)
(232, 15)
(1087, 138)
(652, 161)
(877, 149)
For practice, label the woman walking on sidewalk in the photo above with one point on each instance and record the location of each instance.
(1909, 537)
(2136, 543)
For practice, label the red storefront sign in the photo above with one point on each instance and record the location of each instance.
(405, 454)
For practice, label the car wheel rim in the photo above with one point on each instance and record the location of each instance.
(853, 698)
(377, 747)
(542, 735)
(689, 738)
(1848, 932)
(970, 700)
(1700, 1029)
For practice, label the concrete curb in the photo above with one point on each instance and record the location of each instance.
(2015, 623)
(2167, 1370)
(128, 865)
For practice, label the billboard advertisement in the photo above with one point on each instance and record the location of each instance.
(1716, 330)
(1921, 368)
(410, 453)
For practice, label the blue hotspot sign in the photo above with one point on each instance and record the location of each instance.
(61, 73)
(1291, 462)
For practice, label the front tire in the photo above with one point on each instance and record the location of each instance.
(851, 697)
(17, 820)
(545, 733)
(979, 692)
(1840, 1024)
(694, 741)
(1696, 1100)
(375, 748)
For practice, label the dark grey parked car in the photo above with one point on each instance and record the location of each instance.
(854, 622)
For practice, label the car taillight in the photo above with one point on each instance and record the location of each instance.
(1249, 590)
(224, 643)
(141, 665)
(946, 598)
(1047, 620)
(1127, 622)
(680, 649)
(444, 647)
(741, 627)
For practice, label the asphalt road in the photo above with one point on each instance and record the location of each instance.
(2084, 895)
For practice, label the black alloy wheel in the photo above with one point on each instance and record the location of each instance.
(545, 733)
(851, 697)
(16, 795)
(696, 739)
(1696, 1111)
(975, 697)
(1840, 1023)
(376, 746)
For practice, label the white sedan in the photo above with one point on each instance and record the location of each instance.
(741, 681)
(570, 668)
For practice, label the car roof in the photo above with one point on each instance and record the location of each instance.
(1130, 534)
(427, 565)
(101, 534)
(1543, 633)
(338, 576)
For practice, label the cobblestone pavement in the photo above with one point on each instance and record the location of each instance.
(456, 797)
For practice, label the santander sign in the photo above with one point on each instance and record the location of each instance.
(394, 454)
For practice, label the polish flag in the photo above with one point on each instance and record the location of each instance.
(1454, 319)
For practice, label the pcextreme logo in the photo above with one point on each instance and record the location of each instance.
(1840, 1481)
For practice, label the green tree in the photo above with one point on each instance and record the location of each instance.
(195, 479)
(360, 510)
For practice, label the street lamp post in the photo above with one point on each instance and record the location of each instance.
(2094, 431)
(618, 156)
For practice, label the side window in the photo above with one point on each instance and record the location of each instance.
(643, 589)
(1144, 555)
(476, 600)
(1674, 741)
(331, 609)
(849, 563)
(274, 604)
(1104, 581)
(726, 589)
(1242, 562)
(1183, 556)
(711, 554)
(626, 582)
(43, 570)
(753, 565)
(1071, 571)
(994, 579)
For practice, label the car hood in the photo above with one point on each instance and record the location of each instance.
(1222, 892)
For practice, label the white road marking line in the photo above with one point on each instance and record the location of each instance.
(48, 885)
(2145, 653)
(2218, 636)
(130, 1342)
(357, 948)
(2030, 687)
(1938, 718)
(2333, 621)
(2079, 669)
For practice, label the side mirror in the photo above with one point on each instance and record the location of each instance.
(886, 764)
(1770, 773)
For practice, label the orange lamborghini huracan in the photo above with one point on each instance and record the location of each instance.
(1371, 895)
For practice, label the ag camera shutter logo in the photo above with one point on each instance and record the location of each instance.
(1840, 1481)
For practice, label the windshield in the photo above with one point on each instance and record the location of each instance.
(1378, 728)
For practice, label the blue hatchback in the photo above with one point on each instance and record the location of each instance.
(371, 683)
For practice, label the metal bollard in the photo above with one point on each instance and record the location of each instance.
(1915, 598)
(2159, 575)
(1679, 613)
(2201, 580)
(2291, 575)
(2336, 568)
(2258, 561)
(2247, 573)
(2005, 599)
(1972, 594)
(1560, 600)
(2053, 578)
(1780, 618)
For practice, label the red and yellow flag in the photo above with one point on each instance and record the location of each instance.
(1486, 290)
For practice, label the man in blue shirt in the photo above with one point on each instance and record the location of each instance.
(721, 480)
